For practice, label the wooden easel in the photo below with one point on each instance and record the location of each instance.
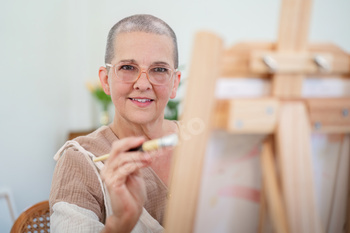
(285, 115)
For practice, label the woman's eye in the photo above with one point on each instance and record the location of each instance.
(160, 69)
(127, 67)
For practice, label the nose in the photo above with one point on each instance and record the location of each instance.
(142, 82)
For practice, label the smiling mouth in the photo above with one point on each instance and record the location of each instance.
(141, 100)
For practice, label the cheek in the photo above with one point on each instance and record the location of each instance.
(163, 93)
(119, 92)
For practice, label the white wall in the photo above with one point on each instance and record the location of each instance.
(49, 49)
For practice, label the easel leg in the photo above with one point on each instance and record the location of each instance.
(263, 208)
(338, 218)
(271, 189)
(348, 205)
(294, 156)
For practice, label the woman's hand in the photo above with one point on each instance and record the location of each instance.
(125, 184)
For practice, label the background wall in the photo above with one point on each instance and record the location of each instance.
(50, 49)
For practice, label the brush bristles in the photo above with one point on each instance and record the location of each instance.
(150, 145)
(170, 140)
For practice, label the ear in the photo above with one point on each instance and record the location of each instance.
(176, 84)
(103, 75)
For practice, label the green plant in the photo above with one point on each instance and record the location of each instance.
(98, 93)
(172, 109)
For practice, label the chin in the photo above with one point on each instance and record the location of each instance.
(143, 118)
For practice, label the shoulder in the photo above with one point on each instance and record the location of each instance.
(73, 160)
(73, 171)
(75, 181)
(98, 142)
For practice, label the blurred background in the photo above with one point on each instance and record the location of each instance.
(51, 49)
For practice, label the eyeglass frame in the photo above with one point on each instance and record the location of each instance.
(142, 70)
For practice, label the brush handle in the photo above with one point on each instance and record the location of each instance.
(139, 148)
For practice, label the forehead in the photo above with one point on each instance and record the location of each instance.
(144, 48)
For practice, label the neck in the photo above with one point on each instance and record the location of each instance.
(150, 130)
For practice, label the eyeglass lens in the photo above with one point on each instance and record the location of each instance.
(156, 74)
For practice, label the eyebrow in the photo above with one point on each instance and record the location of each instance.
(160, 63)
(128, 61)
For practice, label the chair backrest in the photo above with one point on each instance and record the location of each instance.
(34, 219)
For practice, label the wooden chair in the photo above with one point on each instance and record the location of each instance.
(34, 219)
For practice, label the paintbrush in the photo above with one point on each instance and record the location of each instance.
(170, 140)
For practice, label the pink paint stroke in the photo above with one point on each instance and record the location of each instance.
(253, 153)
(220, 165)
(241, 192)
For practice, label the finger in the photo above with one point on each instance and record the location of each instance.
(137, 187)
(123, 162)
(131, 168)
(124, 145)
(119, 177)
(128, 157)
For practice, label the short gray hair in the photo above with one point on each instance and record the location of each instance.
(140, 23)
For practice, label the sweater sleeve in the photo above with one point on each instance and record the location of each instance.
(75, 182)
(72, 218)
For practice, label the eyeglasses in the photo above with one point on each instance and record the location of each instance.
(130, 73)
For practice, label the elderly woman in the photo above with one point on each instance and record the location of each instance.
(128, 191)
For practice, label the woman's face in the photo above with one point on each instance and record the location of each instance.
(142, 102)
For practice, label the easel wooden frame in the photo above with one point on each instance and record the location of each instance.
(210, 61)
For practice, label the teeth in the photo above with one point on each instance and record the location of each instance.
(142, 100)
